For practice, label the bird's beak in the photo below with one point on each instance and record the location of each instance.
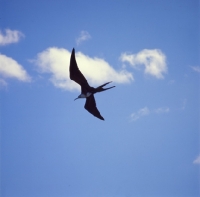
(76, 98)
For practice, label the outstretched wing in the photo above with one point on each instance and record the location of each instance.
(74, 72)
(90, 106)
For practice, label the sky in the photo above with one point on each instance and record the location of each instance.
(149, 143)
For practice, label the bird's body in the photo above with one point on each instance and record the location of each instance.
(85, 95)
(86, 90)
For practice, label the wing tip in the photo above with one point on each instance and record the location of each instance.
(73, 52)
(98, 116)
(101, 118)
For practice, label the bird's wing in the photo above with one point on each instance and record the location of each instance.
(90, 106)
(74, 72)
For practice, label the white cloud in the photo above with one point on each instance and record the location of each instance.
(146, 111)
(9, 68)
(196, 68)
(162, 110)
(55, 61)
(197, 160)
(153, 60)
(84, 35)
(142, 112)
(11, 36)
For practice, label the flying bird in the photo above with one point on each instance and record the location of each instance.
(86, 90)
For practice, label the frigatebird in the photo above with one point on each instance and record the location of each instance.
(86, 90)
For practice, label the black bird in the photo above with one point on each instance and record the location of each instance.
(86, 90)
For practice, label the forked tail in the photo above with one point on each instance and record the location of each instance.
(101, 89)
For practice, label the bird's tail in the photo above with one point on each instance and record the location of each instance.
(101, 89)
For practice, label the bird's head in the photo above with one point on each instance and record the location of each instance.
(80, 96)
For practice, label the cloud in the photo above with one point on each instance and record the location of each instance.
(55, 61)
(142, 112)
(171, 82)
(196, 68)
(153, 60)
(197, 160)
(84, 35)
(146, 111)
(9, 68)
(162, 110)
(11, 36)
(183, 105)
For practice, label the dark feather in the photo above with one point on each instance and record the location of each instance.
(90, 106)
(75, 73)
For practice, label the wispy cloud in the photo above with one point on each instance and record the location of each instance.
(10, 36)
(9, 68)
(84, 35)
(55, 61)
(161, 110)
(141, 112)
(183, 105)
(171, 82)
(146, 111)
(197, 160)
(153, 60)
(196, 68)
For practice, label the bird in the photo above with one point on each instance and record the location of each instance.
(86, 90)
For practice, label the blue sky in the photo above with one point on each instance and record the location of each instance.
(148, 145)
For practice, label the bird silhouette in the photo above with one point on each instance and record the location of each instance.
(86, 90)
